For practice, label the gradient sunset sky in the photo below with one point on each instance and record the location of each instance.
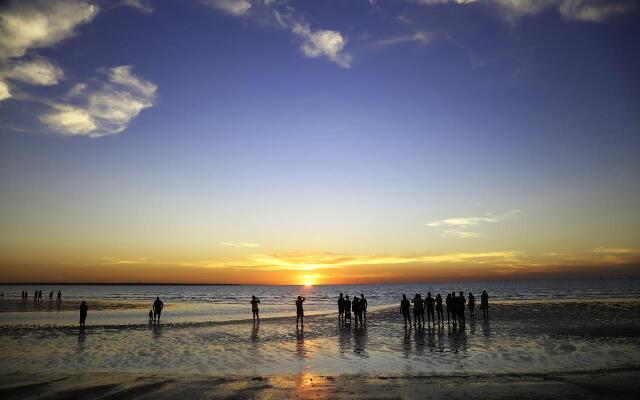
(280, 142)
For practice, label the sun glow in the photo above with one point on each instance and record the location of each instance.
(308, 283)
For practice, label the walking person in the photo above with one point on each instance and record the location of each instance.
(158, 305)
(341, 309)
(472, 305)
(439, 310)
(484, 304)
(405, 306)
(254, 308)
(430, 307)
(299, 311)
(83, 313)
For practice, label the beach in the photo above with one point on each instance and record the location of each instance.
(526, 348)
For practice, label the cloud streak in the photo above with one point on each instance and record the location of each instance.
(459, 227)
(239, 244)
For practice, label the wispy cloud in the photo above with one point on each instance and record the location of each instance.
(616, 250)
(420, 37)
(458, 226)
(239, 244)
(233, 7)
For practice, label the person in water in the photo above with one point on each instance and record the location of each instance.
(341, 309)
(430, 301)
(484, 304)
(462, 302)
(364, 304)
(59, 296)
(299, 311)
(347, 309)
(453, 308)
(83, 313)
(405, 307)
(472, 305)
(439, 310)
(357, 310)
(418, 309)
(50, 296)
(150, 316)
(254, 308)
(158, 305)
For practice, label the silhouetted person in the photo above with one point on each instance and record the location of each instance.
(150, 317)
(461, 305)
(83, 313)
(59, 296)
(158, 305)
(405, 307)
(472, 305)
(357, 310)
(299, 311)
(254, 308)
(1, 296)
(347, 309)
(484, 304)
(439, 310)
(453, 306)
(40, 296)
(341, 309)
(430, 307)
(364, 304)
(50, 296)
(418, 309)
(35, 296)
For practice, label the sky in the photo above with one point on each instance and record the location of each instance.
(291, 142)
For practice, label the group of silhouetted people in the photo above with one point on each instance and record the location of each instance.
(434, 308)
(37, 296)
(358, 305)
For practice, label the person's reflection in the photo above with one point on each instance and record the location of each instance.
(406, 342)
(344, 337)
(431, 339)
(486, 328)
(360, 342)
(301, 350)
(157, 330)
(472, 325)
(254, 332)
(420, 342)
(81, 340)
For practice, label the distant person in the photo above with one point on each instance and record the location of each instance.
(158, 305)
(341, 309)
(357, 310)
(453, 306)
(472, 305)
(35, 296)
(484, 304)
(299, 311)
(439, 309)
(40, 296)
(1, 296)
(364, 304)
(50, 296)
(59, 296)
(461, 305)
(254, 308)
(150, 316)
(418, 309)
(83, 313)
(347, 309)
(430, 307)
(405, 306)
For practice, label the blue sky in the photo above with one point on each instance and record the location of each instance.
(211, 134)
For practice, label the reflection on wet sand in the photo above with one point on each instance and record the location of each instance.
(301, 350)
(360, 342)
(81, 340)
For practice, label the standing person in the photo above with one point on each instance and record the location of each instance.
(150, 317)
(1, 296)
(418, 309)
(83, 313)
(59, 296)
(439, 309)
(405, 305)
(461, 304)
(430, 307)
(341, 309)
(472, 305)
(347, 309)
(453, 306)
(35, 296)
(158, 305)
(357, 311)
(484, 304)
(299, 311)
(40, 296)
(254, 308)
(363, 304)
(50, 296)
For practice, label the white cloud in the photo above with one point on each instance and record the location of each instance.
(458, 227)
(323, 43)
(5, 93)
(616, 250)
(579, 10)
(106, 109)
(36, 72)
(418, 37)
(142, 5)
(40, 23)
(241, 244)
(233, 7)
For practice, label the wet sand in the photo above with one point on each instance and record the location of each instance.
(614, 384)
